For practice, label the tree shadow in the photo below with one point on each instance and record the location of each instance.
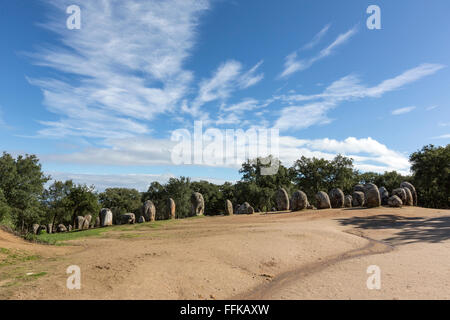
(410, 229)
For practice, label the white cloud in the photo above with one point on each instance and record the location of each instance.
(404, 110)
(250, 78)
(227, 79)
(317, 38)
(140, 182)
(125, 65)
(444, 136)
(293, 64)
(431, 108)
(344, 89)
(367, 152)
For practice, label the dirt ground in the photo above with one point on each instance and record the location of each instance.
(304, 255)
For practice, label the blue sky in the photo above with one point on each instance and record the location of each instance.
(99, 104)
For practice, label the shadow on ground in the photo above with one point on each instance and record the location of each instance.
(410, 229)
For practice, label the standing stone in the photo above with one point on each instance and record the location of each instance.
(395, 202)
(336, 198)
(97, 222)
(106, 217)
(299, 201)
(412, 189)
(128, 218)
(171, 209)
(282, 200)
(348, 201)
(49, 228)
(141, 219)
(197, 204)
(35, 228)
(79, 221)
(323, 201)
(384, 195)
(359, 199)
(401, 193)
(245, 208)
(358, 187)
(69, 228)
(409, 197)
(87, 222)
(228, 208)
(372, 195)
(61, 228)
(149, 211)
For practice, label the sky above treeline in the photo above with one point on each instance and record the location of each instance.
(100, 102)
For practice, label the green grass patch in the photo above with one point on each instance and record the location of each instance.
(13, 258)
(61, 238)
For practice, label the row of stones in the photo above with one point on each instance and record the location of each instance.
(368, 195)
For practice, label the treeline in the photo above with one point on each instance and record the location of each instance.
(25, 201)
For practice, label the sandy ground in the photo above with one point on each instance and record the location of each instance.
(304, 255)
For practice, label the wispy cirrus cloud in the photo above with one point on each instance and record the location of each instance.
(316, 106)
(228, 78)
(293, 64)
(404, 110)
(124, 66)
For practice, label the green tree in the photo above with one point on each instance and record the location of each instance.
(22, 182)
(313, 175)
(121, 200)
(259, 189)
(5, 211)
(83, 200)
(178, 189)
(431, 176)
(214, 200)
(57, 202)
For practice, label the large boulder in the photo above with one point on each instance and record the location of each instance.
(61, 228)
(409, 197)
(79, 222)
(149, 211)
(245, 208)
(358, 187)
(401, 193)
(411, 188)
(87, 222)
(337, 198)
(384, 195)
(299, 201)
(359, 199)
(197, 204)
(348, 201)
(106, 217)
(372, 195)
(97, 222)
(322, 200)
(171, 209)
(128, 218)
(282, 200)
(228, 208)
(35, 228)
(395, 202)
